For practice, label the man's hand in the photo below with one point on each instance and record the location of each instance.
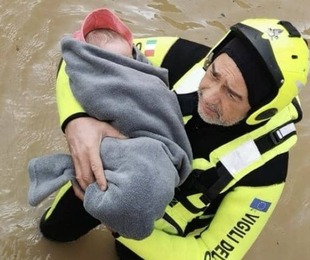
(84, 136)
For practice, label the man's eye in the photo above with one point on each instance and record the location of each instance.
(213, 74)
(232, 95)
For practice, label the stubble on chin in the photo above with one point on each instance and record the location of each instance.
(217, 120)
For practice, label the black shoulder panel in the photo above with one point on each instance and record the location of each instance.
(182, 56)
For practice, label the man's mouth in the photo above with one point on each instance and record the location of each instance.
(210, 110)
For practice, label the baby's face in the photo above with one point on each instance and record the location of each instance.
(118, 46)
(109, 41)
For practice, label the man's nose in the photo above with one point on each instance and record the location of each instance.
(212, 94)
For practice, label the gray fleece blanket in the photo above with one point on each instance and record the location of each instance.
(143, 170)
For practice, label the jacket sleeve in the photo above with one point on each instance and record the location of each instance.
(237, 223)
(155, 49)
(67, 105)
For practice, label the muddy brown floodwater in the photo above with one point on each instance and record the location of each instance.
(29, 52)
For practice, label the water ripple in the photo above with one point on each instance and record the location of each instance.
(165, 6)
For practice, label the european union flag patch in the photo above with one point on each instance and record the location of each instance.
(260, 205)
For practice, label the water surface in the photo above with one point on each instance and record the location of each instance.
(29, 52)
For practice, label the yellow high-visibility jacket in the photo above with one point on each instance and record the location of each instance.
(238, 172)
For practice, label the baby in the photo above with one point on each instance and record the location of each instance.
(113, 82)
(110, 41)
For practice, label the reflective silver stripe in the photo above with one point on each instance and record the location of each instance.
(247, 153)
(241, 157)
(285, 130)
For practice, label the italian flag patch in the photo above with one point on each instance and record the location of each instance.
(150, 48)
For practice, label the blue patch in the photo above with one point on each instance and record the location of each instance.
(260, 205)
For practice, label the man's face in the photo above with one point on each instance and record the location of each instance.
(223, 95)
